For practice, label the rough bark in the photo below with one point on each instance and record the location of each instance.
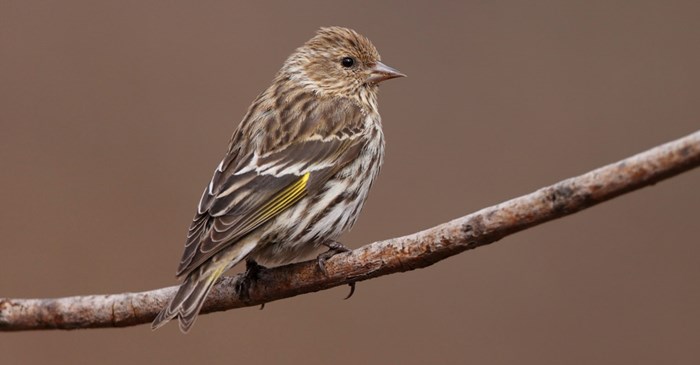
(394, 255)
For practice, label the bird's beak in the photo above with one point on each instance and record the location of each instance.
(381, 72)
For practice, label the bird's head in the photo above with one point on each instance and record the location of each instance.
(339, 61)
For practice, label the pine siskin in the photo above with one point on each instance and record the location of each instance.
(297, 170)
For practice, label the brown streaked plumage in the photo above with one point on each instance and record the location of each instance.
(297, 171)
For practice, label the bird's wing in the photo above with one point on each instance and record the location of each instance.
(253, 185)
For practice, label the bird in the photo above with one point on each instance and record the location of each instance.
(297, 170)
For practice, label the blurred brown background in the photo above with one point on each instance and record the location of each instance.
(113, 116)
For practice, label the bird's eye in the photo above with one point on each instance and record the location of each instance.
(347, 62)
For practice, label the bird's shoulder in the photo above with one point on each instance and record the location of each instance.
(280, 119)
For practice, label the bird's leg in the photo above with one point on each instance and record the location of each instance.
(251, 274)
(334, 248)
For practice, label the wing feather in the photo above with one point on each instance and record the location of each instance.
(256, 182)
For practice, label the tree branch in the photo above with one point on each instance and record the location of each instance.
(380, 258)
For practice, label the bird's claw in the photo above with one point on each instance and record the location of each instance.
(251, 274)
(334, 248)
(352, 290)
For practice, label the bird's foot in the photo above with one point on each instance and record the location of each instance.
(334, 248)
(251, 274)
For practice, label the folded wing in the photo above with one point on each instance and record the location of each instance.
(257, 181)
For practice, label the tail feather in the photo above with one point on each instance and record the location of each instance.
(188, 300)
(190, 297)
(190, 307)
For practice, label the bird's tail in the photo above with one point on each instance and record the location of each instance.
(190, 297)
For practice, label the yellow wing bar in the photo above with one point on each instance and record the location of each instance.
(283, 200)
